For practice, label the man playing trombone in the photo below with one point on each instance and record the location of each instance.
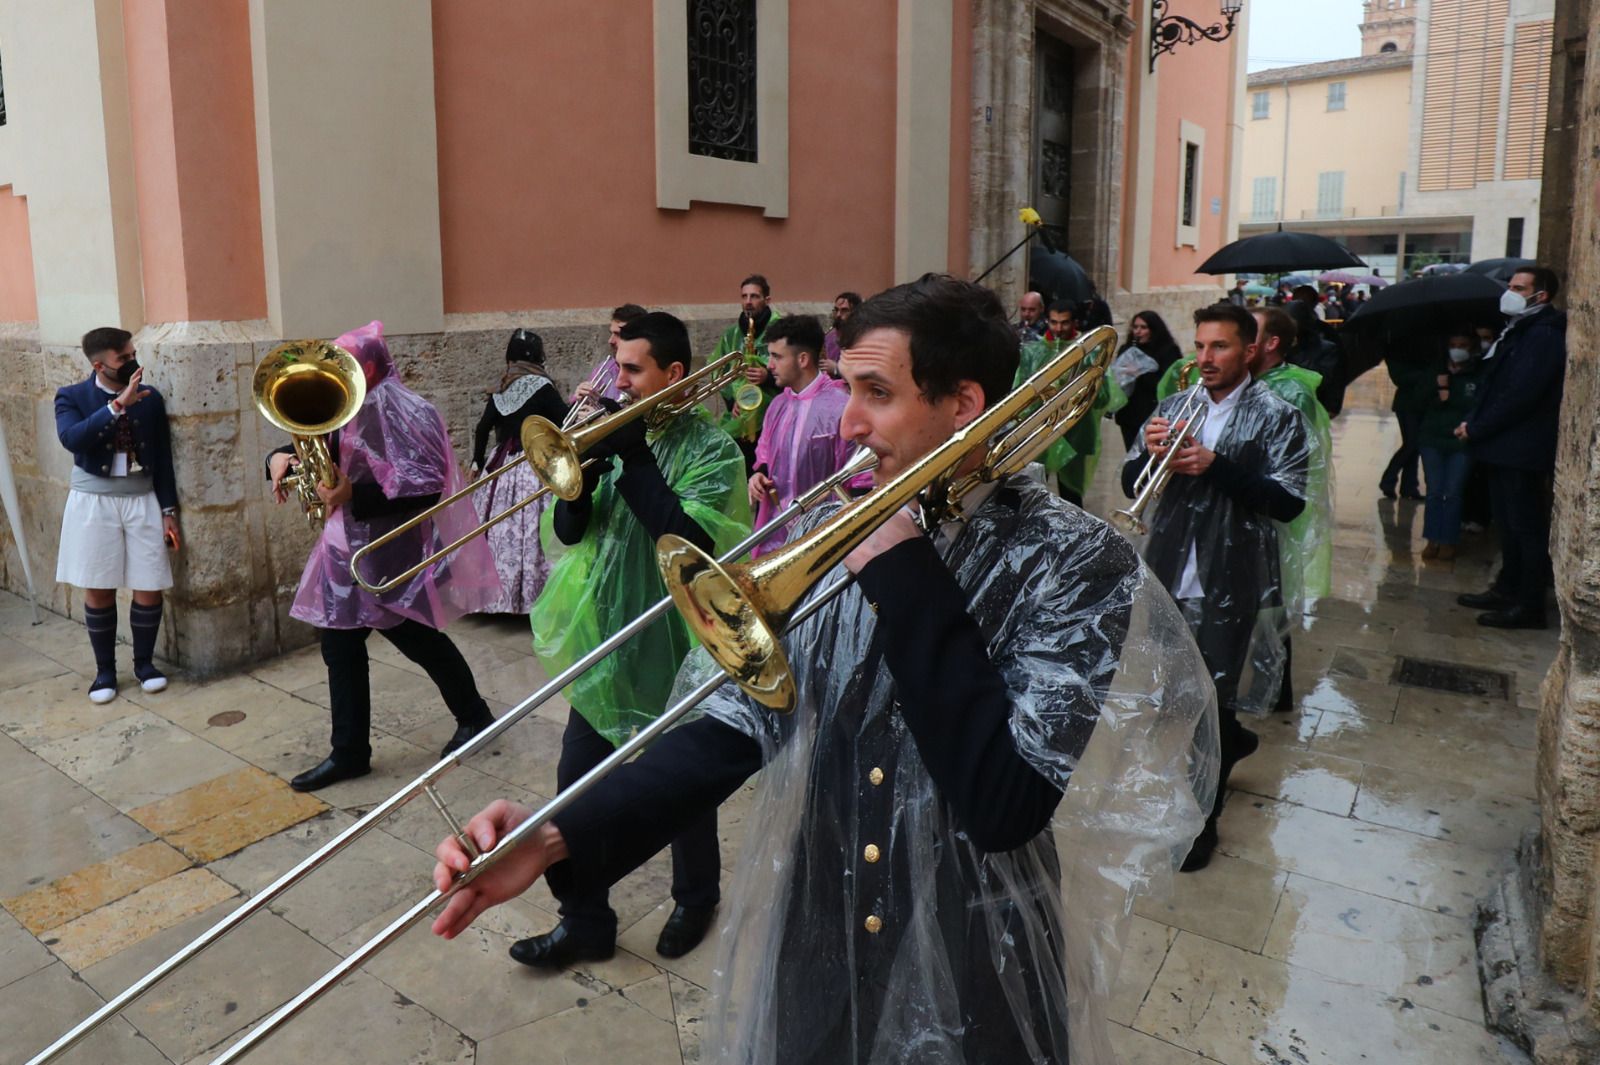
(900, 895)
(688, 479)
(1213, 542)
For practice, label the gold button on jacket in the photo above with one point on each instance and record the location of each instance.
(876, 776)
(871, 853)
(874, 924)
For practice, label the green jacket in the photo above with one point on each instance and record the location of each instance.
(1305, 547)
(1442, 416)
(1073, 457)
(1168, 385)
(610, 577)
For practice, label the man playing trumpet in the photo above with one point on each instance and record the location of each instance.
(900, 893)
(1213, 542)
(687, 478)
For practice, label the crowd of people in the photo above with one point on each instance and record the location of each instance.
(949, 693)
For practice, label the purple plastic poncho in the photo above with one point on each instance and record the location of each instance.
(800, 445)
(398, 441)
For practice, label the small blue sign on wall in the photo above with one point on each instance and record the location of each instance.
(1216, 205)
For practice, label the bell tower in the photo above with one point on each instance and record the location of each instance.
(1388, 26)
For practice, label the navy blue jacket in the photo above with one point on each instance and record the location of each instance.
(1519, 413)
(85, 425)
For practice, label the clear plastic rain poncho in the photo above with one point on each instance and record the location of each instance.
(1073, 457)
(981, 957)
(1306, 543)
(1243, 619)
(610, 577)
(800, 445)
(398, 441)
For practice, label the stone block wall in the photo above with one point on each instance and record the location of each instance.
(243, 554)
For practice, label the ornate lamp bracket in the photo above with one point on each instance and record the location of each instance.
(1169, 31)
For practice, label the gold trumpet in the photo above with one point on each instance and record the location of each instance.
(736, 611)
(556, 455)
(309, 388)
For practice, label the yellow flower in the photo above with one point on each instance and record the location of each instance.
(1029, 217)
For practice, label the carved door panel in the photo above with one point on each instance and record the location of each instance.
(1052, 131)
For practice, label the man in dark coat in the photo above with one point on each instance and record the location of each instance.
(1513, 435)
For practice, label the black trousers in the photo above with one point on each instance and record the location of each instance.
(1224, 644)
(696, 856)
(344, 651)
(1521, 505)
(1403, 463)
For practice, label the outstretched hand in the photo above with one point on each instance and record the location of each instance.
(509, 877)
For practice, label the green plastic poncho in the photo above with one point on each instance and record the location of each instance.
(1072, 458)
(610, 577)
(747, 425)
(1306, 544)
(1168, 385)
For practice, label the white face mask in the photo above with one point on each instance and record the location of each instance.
(1459, 355)
(1513, 303)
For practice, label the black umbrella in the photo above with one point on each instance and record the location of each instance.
(1277, 252)
(1499, 269)
(1055, 275)
(1395, 318)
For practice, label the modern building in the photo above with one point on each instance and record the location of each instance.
(1425, 148)
(221, 175)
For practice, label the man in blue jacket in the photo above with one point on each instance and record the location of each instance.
(1513, 435)
(122, 510)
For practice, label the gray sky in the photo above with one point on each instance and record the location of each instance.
(1284, 33)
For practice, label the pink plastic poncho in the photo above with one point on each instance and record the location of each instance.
(800, 445)
(604, 377)
(398, 441)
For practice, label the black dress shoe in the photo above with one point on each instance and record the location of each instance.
(1493, 599)
(464, 733)
(684, 930)
(559, 948)
(1517, 618)
(329, 771)
(1387, 491)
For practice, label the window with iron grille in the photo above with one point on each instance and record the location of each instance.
(1335, 96)
(1260, 105)
(1191, 179)
(722, 79)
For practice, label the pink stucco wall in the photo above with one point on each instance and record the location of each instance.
(18, 301)
(1193, 85)
(547, 162)
(193, 113)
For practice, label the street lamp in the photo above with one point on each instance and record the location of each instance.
(1169, 31)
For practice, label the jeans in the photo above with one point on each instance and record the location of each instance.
(696, 854)
(1521, 503)
(1447, 473)
(344, 651)
(1403, 464)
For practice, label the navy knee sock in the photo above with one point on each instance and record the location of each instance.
(101, 621)
(145, 622)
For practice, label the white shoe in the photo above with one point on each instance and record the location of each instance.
(154, 684)
(150, 678)
(100, 696)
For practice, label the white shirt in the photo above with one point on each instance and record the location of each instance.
(1217, 415)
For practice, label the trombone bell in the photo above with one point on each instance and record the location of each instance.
(724, 617)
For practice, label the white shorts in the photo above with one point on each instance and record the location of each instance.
(113, 542)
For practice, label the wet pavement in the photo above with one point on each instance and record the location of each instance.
(1333, 926)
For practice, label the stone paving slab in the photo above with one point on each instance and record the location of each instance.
(92, 887)
(38, 1008)
(118, 925)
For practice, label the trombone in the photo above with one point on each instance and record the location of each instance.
(555, 452)
(1064, 389)
(860, 462)
(309, 388)
(1152, 480)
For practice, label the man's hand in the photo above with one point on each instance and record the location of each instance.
(897, 530)
(1461, 431)
(756, 375)
(510, 876)
(133, 393)
(278, 465)
(169, 531)
(761, 486)
(337, 495)
(1155, 436)
(1192, 458)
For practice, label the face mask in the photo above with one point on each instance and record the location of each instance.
(124, 373)
(1459, 355)
(1512, 303)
